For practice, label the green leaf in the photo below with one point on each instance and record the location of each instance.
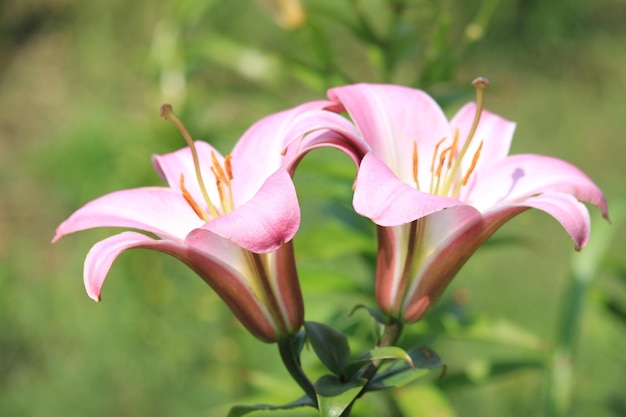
(330, 345)
(423, 359)
(241, 410)
(379, 354)
(334, 396)
(375, 314)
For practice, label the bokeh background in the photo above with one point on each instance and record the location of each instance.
(524, 329)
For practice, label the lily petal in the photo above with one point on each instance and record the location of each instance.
(265, 139)
(315, 129)
(382, 197)
(521, 176)
(391, 119)
(231, 279)
(162, 211)
(435, 232)
(573, 215)
(102, 255)
(268, 220)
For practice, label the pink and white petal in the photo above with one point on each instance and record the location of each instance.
(391, 118)
(495, 132)
(569, 212)
(436, 231)
(226, 268)
(451, 237)
(102, 255)
(521, 176)
(382, 197)
(316, 129)
(162, 211)
(269, 219)
(258, 153)
(172, 165)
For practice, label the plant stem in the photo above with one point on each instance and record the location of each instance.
(291, 360)
(584, 268)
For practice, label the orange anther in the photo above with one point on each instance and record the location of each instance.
(217, 169)
(228, 166)
(473, 165)
(189, 199)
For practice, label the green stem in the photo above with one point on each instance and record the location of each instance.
(584, 268)
(291, 360)
(389, 338)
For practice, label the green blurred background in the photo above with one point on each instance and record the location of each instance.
(80, 88)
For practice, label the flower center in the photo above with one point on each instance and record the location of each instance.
(446, 178)
(222, 172)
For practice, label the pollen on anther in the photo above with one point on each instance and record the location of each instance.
(228, 166)
(473, 165)
(189, 199)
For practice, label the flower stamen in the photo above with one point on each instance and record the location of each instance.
(480, 84)
(473, 165)
(192, 203)
(167, 112)
(223, 175)
(415, 166)
(432, 165)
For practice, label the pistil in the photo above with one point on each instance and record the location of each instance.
(445, 165)
(480, 84)
(168, 114)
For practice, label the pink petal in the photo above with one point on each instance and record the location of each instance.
(170, 166)
(382, 197)
(258, 153)
(495, 132)
(391, 118)
(227, 269)
(450, 238)
(161, 211)
(573, 215)
(268, 220)
(435, 232)
(316, 129)
(518, 177)
(102, 255)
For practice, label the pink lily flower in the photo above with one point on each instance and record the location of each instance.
(438, 190)
(234, 232)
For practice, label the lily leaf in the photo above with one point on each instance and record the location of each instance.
(423, 359)
(379, 354)
(241, 410)
(334, 396)
(375, 314)
(330, 345)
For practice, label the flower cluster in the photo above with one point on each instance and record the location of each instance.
(436, 189)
